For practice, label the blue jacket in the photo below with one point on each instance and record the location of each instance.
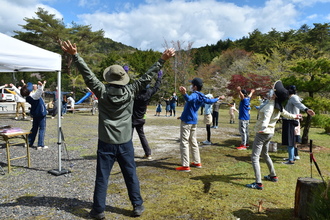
(38, 107)
(244, 109)
(193, 102)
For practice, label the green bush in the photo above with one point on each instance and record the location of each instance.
(322, 121)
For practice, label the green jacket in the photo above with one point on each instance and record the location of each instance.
(115, 102)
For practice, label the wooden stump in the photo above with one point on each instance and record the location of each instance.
(304, 196)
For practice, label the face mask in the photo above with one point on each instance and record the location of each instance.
(191, 88)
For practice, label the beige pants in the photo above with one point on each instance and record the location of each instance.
(18, 106)
(188, 141)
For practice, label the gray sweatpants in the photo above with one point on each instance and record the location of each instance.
(260, 146)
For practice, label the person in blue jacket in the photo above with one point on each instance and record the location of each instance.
(38, 112)
(189, 118)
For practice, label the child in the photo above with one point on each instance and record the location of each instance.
(38, 112)
(158, 108)
(232, 111)
(189, 118)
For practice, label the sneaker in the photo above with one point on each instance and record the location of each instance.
(247, 145)
(183, 169)
(42, 147)
(24, 117)
(271, 178)
(241, 147)
(137, 210)
(96, 215)
(16, 118)
(288, 163)
(255, 186)
(207, 142)
(197, 165)
(297, 158)
(215, 127)
(147, 157)
(52, 117)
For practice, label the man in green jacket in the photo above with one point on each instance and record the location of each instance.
(115, 125)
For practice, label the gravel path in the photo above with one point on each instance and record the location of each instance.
(33, 193)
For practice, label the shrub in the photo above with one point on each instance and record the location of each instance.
(322, 121)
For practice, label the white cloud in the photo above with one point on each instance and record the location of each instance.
(10, 20)
(200, 22)
(147, 24)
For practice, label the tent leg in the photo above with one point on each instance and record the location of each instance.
(59, 171)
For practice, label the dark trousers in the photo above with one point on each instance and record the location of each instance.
(208, 132)
(138, 125)
(107, 154)
(215, 118)
(38, 124)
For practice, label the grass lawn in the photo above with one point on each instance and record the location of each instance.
(217, 191)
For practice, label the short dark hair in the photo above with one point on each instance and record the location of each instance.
(292, 89)
(25, 91)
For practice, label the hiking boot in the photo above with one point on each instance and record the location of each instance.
(96, 215)
(137, 210)
(197, 165)
(207, 142)
(183, 169)
(255, 186)
(241, 147)
(271, 178)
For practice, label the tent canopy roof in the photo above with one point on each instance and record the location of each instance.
(17, 55)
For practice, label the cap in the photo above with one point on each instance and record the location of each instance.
(197, 82)
(116, 74)
(209, 96)
(29, 86)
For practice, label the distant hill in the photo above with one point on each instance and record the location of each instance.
(107, 46)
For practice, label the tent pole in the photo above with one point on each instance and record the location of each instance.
(59, 171)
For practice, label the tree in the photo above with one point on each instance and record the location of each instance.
(312, 76)
(46, 31)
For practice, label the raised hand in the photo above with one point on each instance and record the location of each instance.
(68, 47)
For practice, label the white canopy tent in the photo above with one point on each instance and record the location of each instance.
(19, 56)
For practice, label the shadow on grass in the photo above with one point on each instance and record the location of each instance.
(208, 179)
(159, 163)
(245, 158)
(247, 213)
(71, 205)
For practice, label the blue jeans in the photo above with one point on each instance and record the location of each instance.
(107, 154)
(291, 153)
(39, 123)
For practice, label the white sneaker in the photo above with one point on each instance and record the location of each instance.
(297, 158)
(16, 118)
(147, 157)
(207, 142)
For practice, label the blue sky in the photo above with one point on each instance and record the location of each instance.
(151, 24)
